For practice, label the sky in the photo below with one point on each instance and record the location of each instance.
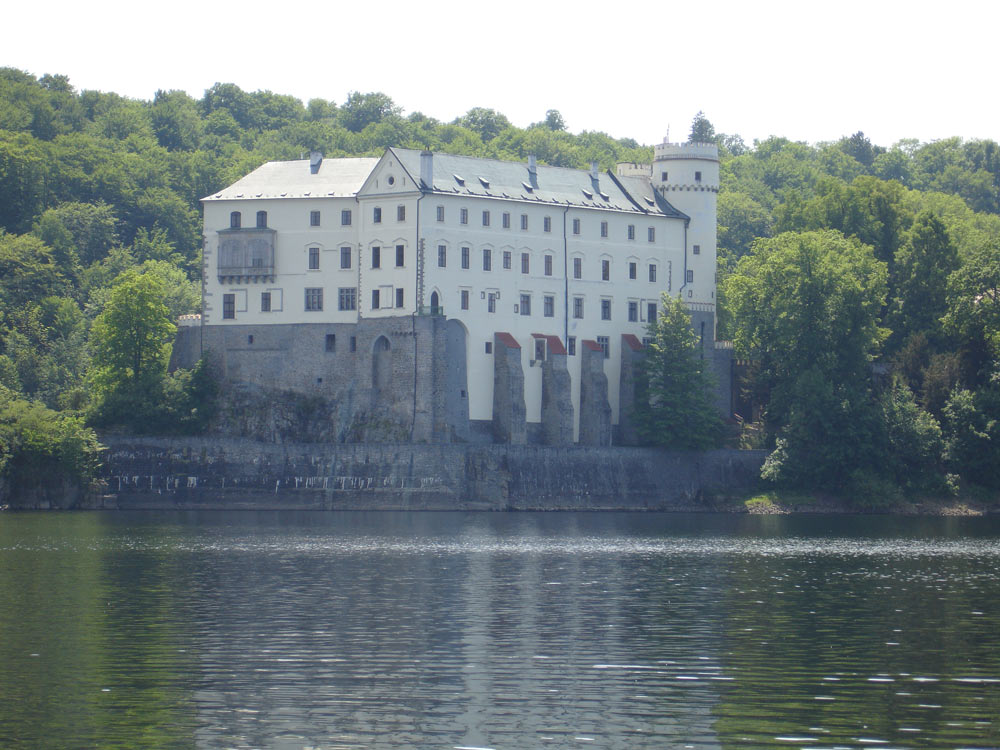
(808, 71)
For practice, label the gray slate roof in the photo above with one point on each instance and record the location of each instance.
(469, 175)
(456, 175)
(337, 178)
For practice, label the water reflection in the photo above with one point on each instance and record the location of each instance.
(497, 631)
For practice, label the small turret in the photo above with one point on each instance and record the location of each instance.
(687, 175)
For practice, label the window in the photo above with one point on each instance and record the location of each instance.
(697, 176)
(376, 257)
(506, 220)
(265, 302)
(347, 298)
(375, 299)
(605, 270)
(313, 258)
(632, 270)
(540, 350)
(578, 308)
(345, 217)
(633, 312)
(465, 299)
(651, 234)
(400, 213)
(314, 218)
(577, 268)
(576, 226)
(234, 220)
(486, 218)
(262, 219)
(491, 302)
(506, 259)
(652, 272)
(605, 343)
(651, 312)
(548, 306)
(663, 176)
(690, 276)
(331, 342)
(525, 304)
(399, 296)
(571, 346)
(345, 257)
(548, 265)
(442, 256)
(489, 347)
(547, 224)
(377, 215)
(605, 309)
(525, 263)
(440, 213)
(631, 231)
(487, 259)
(465, 257)
(604, 229)
(697, 250)
(463, 216)
(400, 255)
(354, 343)
(228, 306)
(314, 299)
(524, 221)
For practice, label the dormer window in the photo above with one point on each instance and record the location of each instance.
(459, 179)
(235, 219)
(484, 182)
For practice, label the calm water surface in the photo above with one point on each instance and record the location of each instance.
(504, 631)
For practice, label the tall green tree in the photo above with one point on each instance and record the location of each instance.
(702, 131)
(674, 406)
(806, 309)
(922, 267)
(131, 338)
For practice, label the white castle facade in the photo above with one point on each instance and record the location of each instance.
(456, 298)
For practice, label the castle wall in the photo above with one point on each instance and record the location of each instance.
(207, 473)
(509, 413)
(381, 379)
(595, 411)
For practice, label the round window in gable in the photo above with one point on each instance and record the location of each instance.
(392, 180)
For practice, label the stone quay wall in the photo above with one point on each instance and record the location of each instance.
(229, 473)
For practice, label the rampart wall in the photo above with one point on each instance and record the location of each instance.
(230, 473)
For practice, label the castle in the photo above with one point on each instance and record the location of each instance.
(437, 298)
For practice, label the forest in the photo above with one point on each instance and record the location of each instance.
(860, 281)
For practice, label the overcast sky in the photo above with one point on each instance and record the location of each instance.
(806, 71)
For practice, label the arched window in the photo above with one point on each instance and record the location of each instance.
(234, 220)
(262, 219)
(435, 304)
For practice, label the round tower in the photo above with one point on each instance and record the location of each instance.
(687, 175)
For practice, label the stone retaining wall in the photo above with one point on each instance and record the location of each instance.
(241, 474)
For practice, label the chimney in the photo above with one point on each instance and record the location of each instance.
(315, 159)
(532, 165)
(427, 169)
(593, 171)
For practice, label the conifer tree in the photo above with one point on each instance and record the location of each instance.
(674, 406)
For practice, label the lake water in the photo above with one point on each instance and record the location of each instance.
(504, 631)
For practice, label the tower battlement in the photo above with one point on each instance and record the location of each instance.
(667, 151)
